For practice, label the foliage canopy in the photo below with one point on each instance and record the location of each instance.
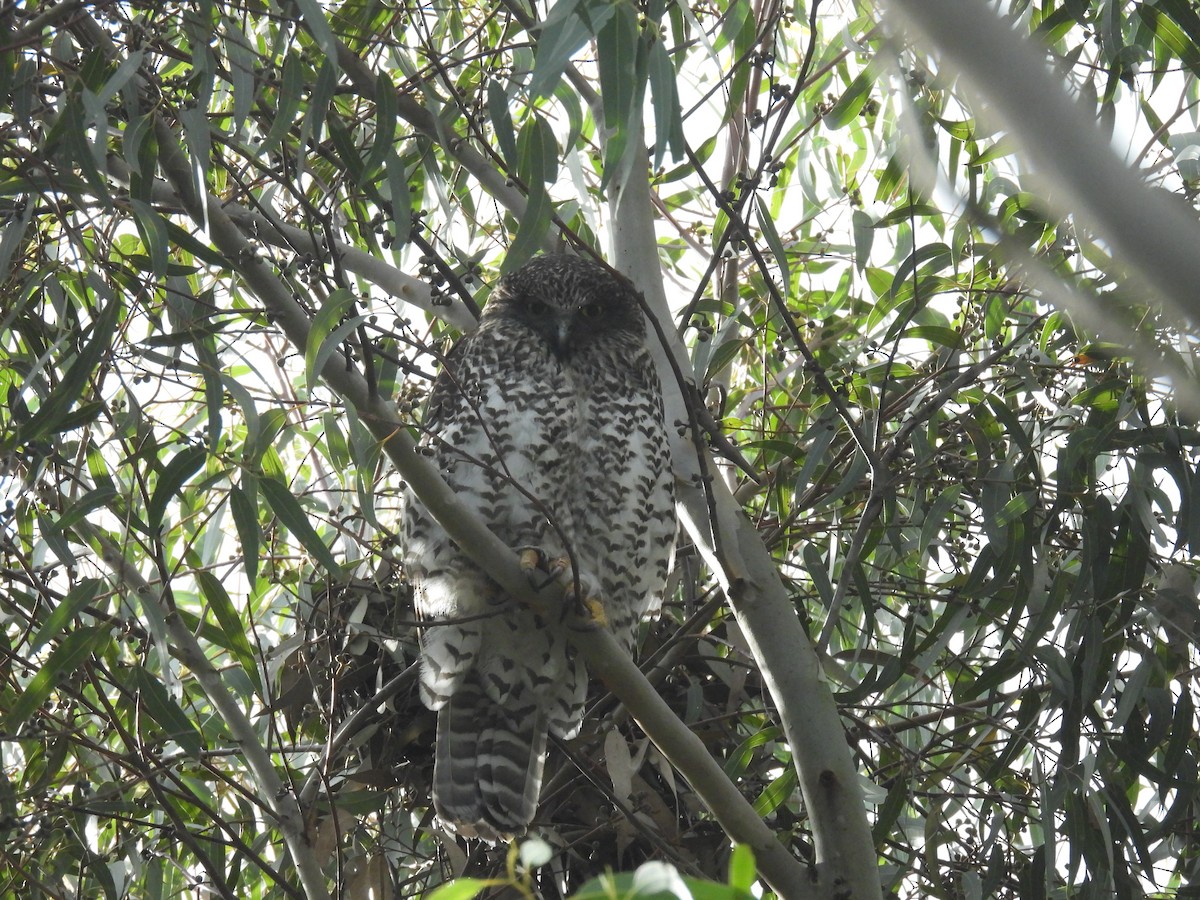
(952, 392)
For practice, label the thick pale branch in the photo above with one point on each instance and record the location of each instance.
(1151, 233)
(846, 860)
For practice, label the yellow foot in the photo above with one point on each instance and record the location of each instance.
(541, 569)
(531, 558)
(595, 611)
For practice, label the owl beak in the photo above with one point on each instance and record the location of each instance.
(561, 340)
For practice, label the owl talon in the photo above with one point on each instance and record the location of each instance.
(531, 559)
(541, 569)
(594, 612)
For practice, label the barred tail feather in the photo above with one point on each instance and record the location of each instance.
(488, 765)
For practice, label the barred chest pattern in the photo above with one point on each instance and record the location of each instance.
(548, 421)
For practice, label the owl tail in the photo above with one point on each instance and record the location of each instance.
(487, 770)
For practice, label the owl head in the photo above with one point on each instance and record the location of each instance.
(571, 303)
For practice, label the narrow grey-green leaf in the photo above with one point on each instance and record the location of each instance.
(864, 237)
(537, 152)
(232, 626)
(502, 124)
(243, 505)
(617, 50)
(664, 95)
(287, 103)
(400, 197)
(561, 34)
(289, 511)
(80, 596)
(385, 126)
(327, 334)
(776, 792)
(318, 27)
(119, 78)
(183, 465)
(767, 224)
(936, 514)
(531, 231)
(243, 84)
(14, 235)
(52, 414)
(164, 711)
(153, 231)
(66, 657)
(852, 99)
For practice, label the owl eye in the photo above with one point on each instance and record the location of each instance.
(536, 307)
(591, 310)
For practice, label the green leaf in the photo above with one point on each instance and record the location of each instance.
(853, 98)
(154, 700)
(937, 255)
(102, 496)
(232, 626)
(621, 80)
(936, 334)
(537, 153)
(80, 596)
(318, 27)
(931, 526)
(561, 34)
(742, 871)
(327, 333)
(1015, 508)
(335, 442)
(776, 793)
(740, 758)
(818, 571)
(767, 223)
(531, 231)
(242, 83)
(183, 465)
(287, 104)
(64, 659)
(864, 237)
(287, 508)
(245, 518)
(319, 97)
(463, 888)
(53, 414)
(385, 126)
(724, 354)
(400, 197)
(502, 124)
(664, 95)
(198, 136)
(1105, 397)
(14, 235)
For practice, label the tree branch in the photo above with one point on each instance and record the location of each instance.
(846, 860)
(279, 234)
(1151, 234)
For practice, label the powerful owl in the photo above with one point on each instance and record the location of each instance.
(547, 420)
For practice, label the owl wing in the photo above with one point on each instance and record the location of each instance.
(630, 518)
(499, 679)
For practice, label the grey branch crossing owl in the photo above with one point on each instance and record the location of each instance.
(548, 422)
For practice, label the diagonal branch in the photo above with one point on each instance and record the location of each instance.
(846, 862)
